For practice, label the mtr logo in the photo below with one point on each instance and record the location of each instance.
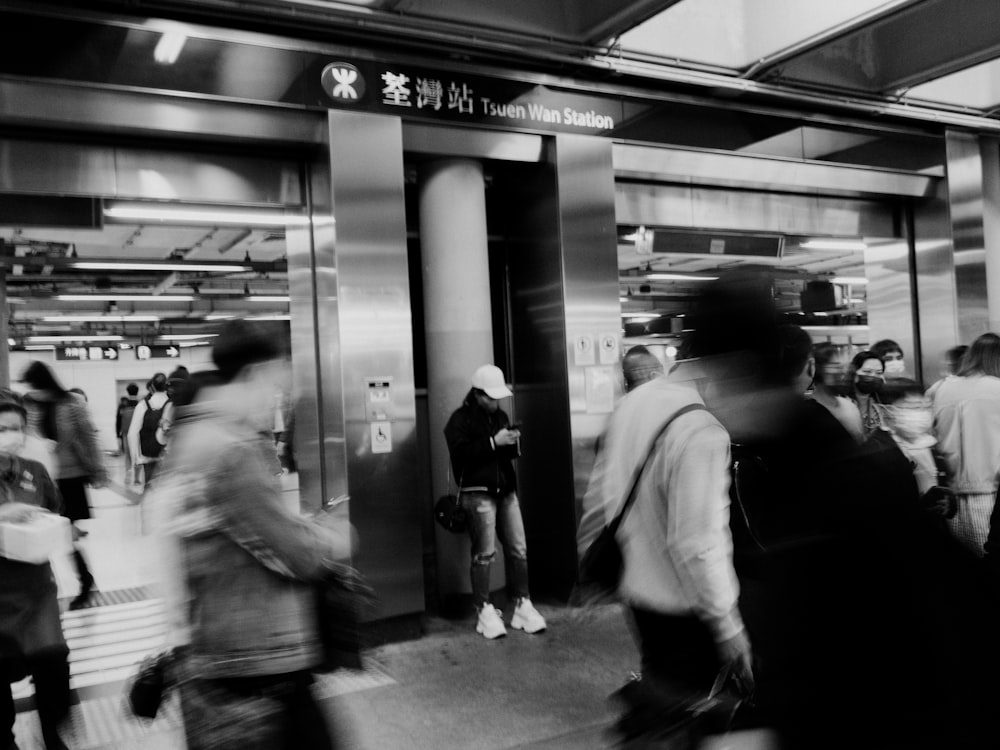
(343, 82)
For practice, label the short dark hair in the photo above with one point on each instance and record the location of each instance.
(638, 365)
(158, 382)
(794, 347)
(884, 346)
(896, 389)
(12, 407)
(132, 389)
(983, 357)
(242, 343)
(859, 359)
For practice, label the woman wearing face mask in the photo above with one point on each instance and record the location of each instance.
(967, 426)
(31, 637)
(891, 354)
(866, 377)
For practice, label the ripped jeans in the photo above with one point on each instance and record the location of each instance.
(490, 517)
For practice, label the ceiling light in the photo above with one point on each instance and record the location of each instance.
(180, 214)
(40, 339)
(168, 49)
(165, 266)
(186, 336)
(833, 245)
(124, 297)
(678, 277)
(186, 344)
(848, 280)
(268, 298)
(640, 317)
(100, 319)
(39, 348)
(269, 317)
(11, 342)
(219, 316)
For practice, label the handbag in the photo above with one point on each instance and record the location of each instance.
(146, 689)
(601, 565)
(449, 513)
(342, 601)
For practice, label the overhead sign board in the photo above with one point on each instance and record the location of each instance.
(158, 351)
(87, 353)
(409, 91)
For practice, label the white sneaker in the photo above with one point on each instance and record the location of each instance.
(490, 624)
(526, 617)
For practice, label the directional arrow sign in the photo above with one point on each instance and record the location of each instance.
(109, 352)
(173, 351)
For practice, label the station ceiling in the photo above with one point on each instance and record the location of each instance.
(938, 54)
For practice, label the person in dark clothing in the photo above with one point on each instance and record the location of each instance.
(855, 596)
(483, 445)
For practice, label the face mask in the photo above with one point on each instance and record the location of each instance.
(912, 423)
(11, 442)
(868, 384)
(895, 367)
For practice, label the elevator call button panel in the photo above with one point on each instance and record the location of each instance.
(379, 406)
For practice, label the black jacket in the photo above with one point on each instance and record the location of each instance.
(474, 460)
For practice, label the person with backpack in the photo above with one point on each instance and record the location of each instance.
(143, 445)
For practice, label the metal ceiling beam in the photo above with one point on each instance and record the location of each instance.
(926, 40)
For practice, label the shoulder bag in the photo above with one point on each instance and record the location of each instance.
(601, 565)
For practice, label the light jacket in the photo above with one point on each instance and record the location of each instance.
(967, 426)
(249, 562)
(77, 449)
(675, 539)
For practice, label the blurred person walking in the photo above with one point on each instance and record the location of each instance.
(952, 361)
(678, 582)
(483, 444)
(63, 418)
(31, 636)
(827, 389)
(967, 426)
(247, 564)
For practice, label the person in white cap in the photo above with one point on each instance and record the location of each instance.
(483, 445)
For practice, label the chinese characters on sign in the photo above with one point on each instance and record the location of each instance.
(87, 353)
(469, 97)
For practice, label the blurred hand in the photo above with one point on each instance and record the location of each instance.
(736, 653)
(506, 437)
(17, 512)
(98, 482)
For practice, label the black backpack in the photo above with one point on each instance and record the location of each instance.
(149, 446)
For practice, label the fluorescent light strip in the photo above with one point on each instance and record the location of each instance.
(849, 280)
(75, 338)
(268, 298)
(834, 245)
(219, 316)
(678, 277)
(203, 216)
(269, 317)
(124, 297)
(130, 266)
(168, 49)
(100, 319)
(640, 316)
(186, 336)
(39, 348)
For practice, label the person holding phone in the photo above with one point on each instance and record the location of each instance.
(483, 444)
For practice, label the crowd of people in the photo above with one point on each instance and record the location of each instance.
(816, 529)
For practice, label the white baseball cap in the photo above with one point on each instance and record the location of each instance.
(489, 379)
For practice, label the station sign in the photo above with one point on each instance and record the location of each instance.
(158, 351)
(87, 353)
(410, 91)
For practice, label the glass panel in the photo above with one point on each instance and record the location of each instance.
(818, 283)
(738, 33)
(977, 87)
